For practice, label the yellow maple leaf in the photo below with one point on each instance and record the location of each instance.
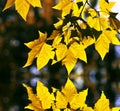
(98, 23)
(44, 55)
(40, 101)
(67, 5)
(61, 50)
(78, 51)
(102, 104)
(70, 55)
(61, 101)
(69, 95)
(69, 61)
(79, 100)
(23, 6)
(66, 95)
(104, 40)
(35, 104)
(105, 6)
(44, 95)
(40, 50)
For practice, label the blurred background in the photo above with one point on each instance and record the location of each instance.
(97, 75)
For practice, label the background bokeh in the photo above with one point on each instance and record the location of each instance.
(97, 75)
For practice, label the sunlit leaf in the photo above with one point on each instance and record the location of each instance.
(66, 95)
(79, 100)
(61, 101)
(69, 90)
(40, 101)
(35, 47)
(61, 50)
(45, 55)
(69, 96)
(67, 5)
(22, 8)
(44, 96)
(35, 104)
(102, 104)
(104, 40)
(69, 61)
(78, 51)
(98, 23)
(105, 6)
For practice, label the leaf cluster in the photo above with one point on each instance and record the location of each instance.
(66, 99)
(74, 32)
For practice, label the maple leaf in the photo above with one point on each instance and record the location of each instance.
(102, 104)
(79, 100)
(78, 51)
(40, 101)
(44, 95)
(70, 55)
(45, 55)
(69, 61)
(69, 95)
(23, 6)
(36, 46)
(104, 40)
(35, 104)
(105, 6)
(40, 50)
(98, 23)
(67, 5)
(61, 51)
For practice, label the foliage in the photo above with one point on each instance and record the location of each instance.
(74, 32)
(23, 6)
(80, 26)
(67, 99)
